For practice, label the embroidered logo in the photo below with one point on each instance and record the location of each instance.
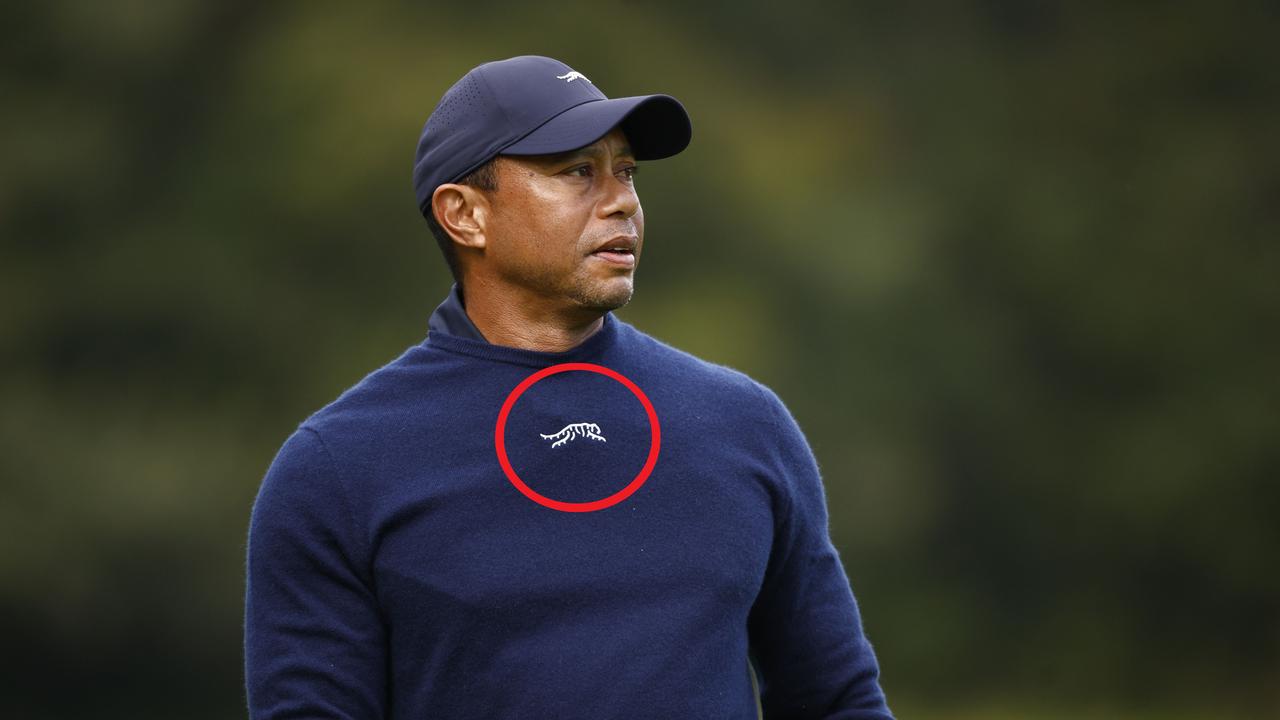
(572, 75)
(573, 432)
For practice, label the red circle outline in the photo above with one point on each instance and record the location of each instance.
(500, 443)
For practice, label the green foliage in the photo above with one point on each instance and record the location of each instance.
(1012, 265)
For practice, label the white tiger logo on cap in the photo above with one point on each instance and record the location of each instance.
(573, 75)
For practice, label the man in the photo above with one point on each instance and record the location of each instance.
(540, 511)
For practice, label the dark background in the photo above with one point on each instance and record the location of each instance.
(1014, 268)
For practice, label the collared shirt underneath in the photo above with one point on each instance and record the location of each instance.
(450, 318)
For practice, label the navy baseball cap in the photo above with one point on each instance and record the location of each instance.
(533, 105)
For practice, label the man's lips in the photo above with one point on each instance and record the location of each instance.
(621, 243)
(621, 258)
(618, 251)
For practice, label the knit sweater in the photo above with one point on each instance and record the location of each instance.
(455, 538)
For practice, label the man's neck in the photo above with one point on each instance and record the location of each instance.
(526, 321)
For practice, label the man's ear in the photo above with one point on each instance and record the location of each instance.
(463, 212)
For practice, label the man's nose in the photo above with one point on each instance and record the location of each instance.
(620, 198)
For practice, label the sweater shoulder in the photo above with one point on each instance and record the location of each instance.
(727, 383)
(383, 398)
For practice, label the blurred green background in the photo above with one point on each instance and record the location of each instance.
(1014, 266)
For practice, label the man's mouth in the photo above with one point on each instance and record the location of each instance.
(618, 257)
(619, 251)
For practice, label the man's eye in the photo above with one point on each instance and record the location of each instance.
(630, 172)
(580, 171)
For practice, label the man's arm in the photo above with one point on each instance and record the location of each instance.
(805, 628)
(315, 645)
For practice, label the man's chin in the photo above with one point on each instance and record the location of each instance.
(606, 297)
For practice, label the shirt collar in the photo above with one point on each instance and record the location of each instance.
(451, 318)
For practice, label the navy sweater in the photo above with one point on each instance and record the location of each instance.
(396, 569)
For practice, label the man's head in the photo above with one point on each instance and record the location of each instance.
(565, 226)
(524, 173)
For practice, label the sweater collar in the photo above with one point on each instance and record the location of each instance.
(450, 329)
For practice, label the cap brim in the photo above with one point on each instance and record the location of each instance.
(657, 127)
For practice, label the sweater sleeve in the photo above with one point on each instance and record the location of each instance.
(315, 646)
(804, 628)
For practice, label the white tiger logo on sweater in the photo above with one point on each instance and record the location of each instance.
(573, 432)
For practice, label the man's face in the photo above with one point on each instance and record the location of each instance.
(551, 216)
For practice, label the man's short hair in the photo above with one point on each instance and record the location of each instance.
(484, 178)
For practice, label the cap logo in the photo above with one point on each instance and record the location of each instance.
(572, 75)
